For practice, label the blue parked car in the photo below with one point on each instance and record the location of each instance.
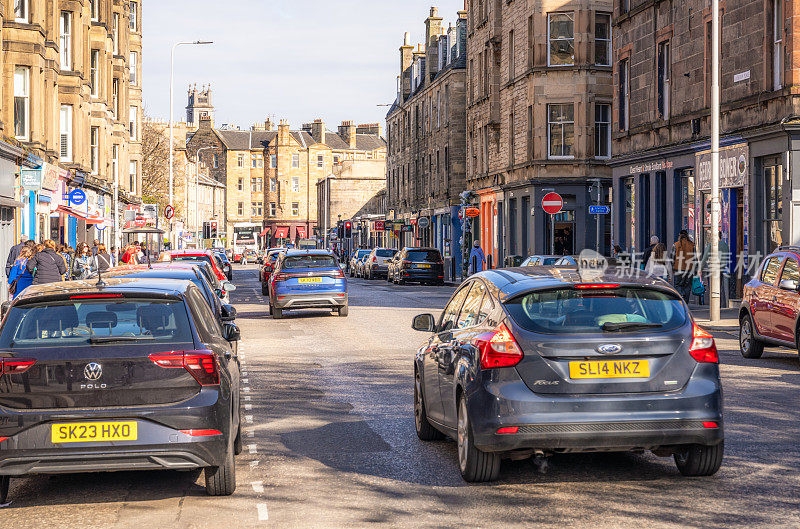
(307, 279)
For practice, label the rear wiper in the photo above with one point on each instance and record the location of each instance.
(109, 339)
(629, 326)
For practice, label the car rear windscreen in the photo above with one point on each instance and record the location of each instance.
(96, 321)
(424, 255)
(385, 253)
(362, 253)
(191, 258)
(570, 311)
(309, 261)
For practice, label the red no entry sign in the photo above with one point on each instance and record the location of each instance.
(552, 203)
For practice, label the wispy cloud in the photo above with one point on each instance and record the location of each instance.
(294, 59)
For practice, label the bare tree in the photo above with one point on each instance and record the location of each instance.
(155, 163)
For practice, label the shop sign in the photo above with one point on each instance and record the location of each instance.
(31, 179)
(423, 222)
(77, 197)
(51, 175)
(471, 213)
(408, 228)
(649, 167)
(733, 166)
(378, 225)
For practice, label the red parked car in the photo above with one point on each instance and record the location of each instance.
(207, 256)
(267, 268)
(770, 312)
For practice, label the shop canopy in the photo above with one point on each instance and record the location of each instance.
(264, 232)
(90, 219)
(301, 232)
(282, 232)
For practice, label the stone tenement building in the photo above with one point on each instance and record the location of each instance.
(662, 124)
(271, 172)
(538, 120)
(71, 100)
(426, 130)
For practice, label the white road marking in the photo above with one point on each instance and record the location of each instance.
(248, 418)
(251, 433)
(247, 398)
(248, 407)
(258, 487)
(253, 449)
(244, 373)
(262, 511)
(246, 389)
(245, 381)
(254, 464)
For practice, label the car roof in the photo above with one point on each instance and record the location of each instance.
(512, 281)
(157, 272)
(295, 252)
(420, 248)
(144, 286)
(188, 251)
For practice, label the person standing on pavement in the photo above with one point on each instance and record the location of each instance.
(13, 254)
(95, 245)
(477, 259)
(656, 264)
(83, 264)
(649, 250)
(20, 278)
(683, 255)
(103, 260)
(47, 266)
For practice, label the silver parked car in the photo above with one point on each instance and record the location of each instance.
(377, 262)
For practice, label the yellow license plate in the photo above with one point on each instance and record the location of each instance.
(93, 432)
(309, 280)
(424, 266)
(610, 369)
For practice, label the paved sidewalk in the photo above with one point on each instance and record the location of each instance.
(729, 321)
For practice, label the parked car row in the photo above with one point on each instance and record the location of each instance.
(135, 369)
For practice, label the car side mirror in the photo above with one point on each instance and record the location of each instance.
(424, 323)
(228, 313)
(227, 286)
(789, 284)
(231, 332)
(4, 309)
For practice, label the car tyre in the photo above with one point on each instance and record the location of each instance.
(475, 465)
(343, 311)
(425, 431)
(749, 346)
(264, 288)
(5, 484)
(277, 313)
(699, 460)
(238, 446)
(221, 480)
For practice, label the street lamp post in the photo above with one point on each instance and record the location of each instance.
(197, 187)
(714, 261)
(171, 129)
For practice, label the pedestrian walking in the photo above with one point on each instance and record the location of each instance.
(129, 255)
(103, 261)
(66, 254)
(683, 252)
(47, 266)
(13, 254)
(95, 247)
(477, 259)
(20, 278)
(649, 250)
(83, 264)
(656, 264)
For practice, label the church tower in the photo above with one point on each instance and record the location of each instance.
(199, 105)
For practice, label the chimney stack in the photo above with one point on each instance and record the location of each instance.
(283, 132)
(318, 131)
(433, 30)
(406, 59)
(369, 128)
(348, 133)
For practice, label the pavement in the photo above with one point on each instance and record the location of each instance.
(330, 443)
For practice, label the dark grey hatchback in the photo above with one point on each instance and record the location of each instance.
(543, 360)
(131, 374)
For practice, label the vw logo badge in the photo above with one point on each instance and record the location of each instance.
(609, 348)
(93, 371)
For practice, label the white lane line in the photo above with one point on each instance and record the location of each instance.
(252, 449)
(263, 514)
(247, 398)
(248, 418)
(258, 487)
(248, 407)
(251, 433)
(246, 389)
(254, 464)
(245, 381)
(244, 373)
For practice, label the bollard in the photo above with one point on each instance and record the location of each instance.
(489, 262)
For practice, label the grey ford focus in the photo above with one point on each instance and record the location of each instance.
(543, 360)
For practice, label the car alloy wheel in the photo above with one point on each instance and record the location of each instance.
(475, 465)
(749, 345)
(463, 436)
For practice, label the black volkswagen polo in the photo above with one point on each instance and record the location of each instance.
(130, 374)
(543, 360)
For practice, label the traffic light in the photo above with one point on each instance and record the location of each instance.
(348, 230)
(340, 230)
(206, 230)
(213, 230)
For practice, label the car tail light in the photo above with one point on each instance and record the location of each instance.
(15, 366)
(201, 364)
(280, 277)
(499, 348)
(96, 296)
(508, 429)
(201, 433)
(405, 264)
(710, 424)
(374, 259)
(596, 286)
(703, 348)
(3, 439)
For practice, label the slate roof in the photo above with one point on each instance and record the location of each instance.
(245, 140)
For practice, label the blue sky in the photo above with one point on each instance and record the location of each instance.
(293, 59)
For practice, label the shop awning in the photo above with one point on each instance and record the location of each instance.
(301, 232)
(90, 219)
(282, 232)
(11, 202)
(264, 232)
